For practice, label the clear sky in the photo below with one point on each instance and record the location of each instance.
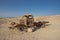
(11, 8)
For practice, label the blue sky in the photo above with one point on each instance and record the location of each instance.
(14, 8)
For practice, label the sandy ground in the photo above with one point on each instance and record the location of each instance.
(50, 32)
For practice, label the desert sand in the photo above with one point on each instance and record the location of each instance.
(50, 32)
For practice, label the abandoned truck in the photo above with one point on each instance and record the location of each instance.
(26, 23)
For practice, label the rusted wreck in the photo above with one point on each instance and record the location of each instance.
(27, 24)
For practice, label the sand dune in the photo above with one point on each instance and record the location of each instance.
(50, 32)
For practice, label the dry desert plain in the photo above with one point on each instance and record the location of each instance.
(50, 32)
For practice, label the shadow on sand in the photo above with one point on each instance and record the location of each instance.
(40, 24)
